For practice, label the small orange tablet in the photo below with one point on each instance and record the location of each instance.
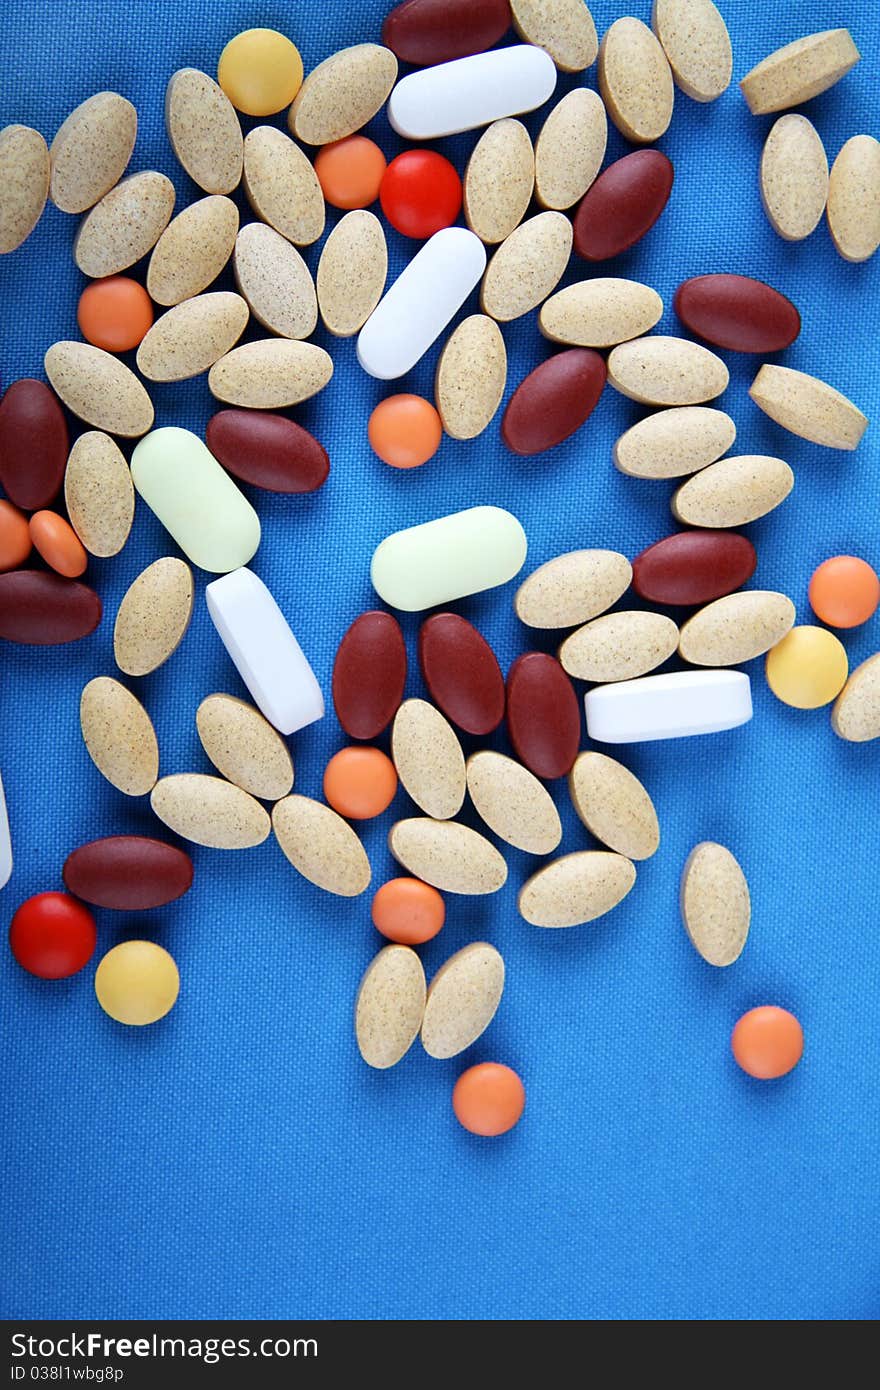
(350, 172)
(408, 911)
(488, 1099)
(844, 591)
(767, 1042)
(114, 314)
(360, 782)
(15, 537)
(58, 544)
(405, 431)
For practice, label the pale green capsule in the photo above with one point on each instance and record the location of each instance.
(456, 555)
(195, 499)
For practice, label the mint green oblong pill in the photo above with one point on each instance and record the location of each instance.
(195, 499)
(449, 558)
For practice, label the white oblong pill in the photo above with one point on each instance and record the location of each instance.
(269, 659)
(676, 705)
(471, 92)
(456, 555)
(5, 842)
(420, 303)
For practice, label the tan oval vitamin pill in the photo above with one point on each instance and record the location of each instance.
(99, 493)
(672, 443)
(570, 149)
(462, 999)
(695, 40)
(91, 150)
(447, 855)
(794, 177)
(572, 588)
(193, 250)
(281, 185)
(513, 803)
(204, 130)
(854, 198)
(471, 377)
(527, 266)
(428, 758)
(856, 713)
(660, 370)
(209, 811)
(270, 373)
(125, 225)
(119, 736)
(276, 282)
(24, 178)
(733, 491)
(389, 1007)
(352, 273)
(635, 81)
(619, 646)
(799, 71)
(99, 389)
(808, 407)
(191, 337)
(244, 746)
(575, 889)
(341, 94)
(614, 806)
(153, 616)
(499, 180)
(736, 628)
(565, 28)
(715, 904)
(600, 313)
(321, 846)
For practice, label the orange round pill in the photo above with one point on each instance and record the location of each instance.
(405, 431)
(58, 543)
(360, 782)
(408, 911)
(844, 591)
(350, 172)
(488, 1099)
(15, 537)
(114, 314)
(767, 1042)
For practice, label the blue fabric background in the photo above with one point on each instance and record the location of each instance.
(239, 1159)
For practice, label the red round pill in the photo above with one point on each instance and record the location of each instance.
(52, 936)
(420, 192)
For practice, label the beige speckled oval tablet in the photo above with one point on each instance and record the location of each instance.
(428, 758)
(91, 150)
(674, 442)
(389, 1006)
(527, 266)
(204, 130)
(666, 371)
(463, 998)
(799, 71)
(125, 225)
(244, 747)
(281, 185)
(471, 377)
(24, 178)
(854, 199)
(600, 313)
(564, 28)
(695, 40)
(570, 148)
(715, 905)
(856, 713)
(794, 177)
(341, 94)
(119, 736)
(450, 856)
(352, 272)
(733, 491)
(635, 80)
(572, 588)
(99, 493)
(736, 628)
(270, 373)
(576, 888)
(192, 336)
(209, 811)
(513, 803)
(619, 646)
(808, 407)
(498, 181)
(321, 846)
(614, 806)
(192, 250)
(99, 389)
(276, 282)
(153, 616)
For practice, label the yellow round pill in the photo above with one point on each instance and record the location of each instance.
(260, 71)
(137, 982)
(808, 668)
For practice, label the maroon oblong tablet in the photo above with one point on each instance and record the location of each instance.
(34, 444)
(267, 451)
(622, 205)
(553, 401)
(737, 312)
(369, 674)
(43, 609)
(543, 715)
(435, 31)
(694, 567)
(131, 873)
(461, 672)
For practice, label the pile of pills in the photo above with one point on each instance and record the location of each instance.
(600, 328)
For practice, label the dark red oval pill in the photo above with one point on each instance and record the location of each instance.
(543, 715)
(622, 205)
(694, 567)
(737, 312)
(461, 672)
(369, 674)
(553, 401)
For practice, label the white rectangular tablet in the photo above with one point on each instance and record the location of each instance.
(471, 92)
(5, 841)
(676, 705)
(421, 302)
(269, 659)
